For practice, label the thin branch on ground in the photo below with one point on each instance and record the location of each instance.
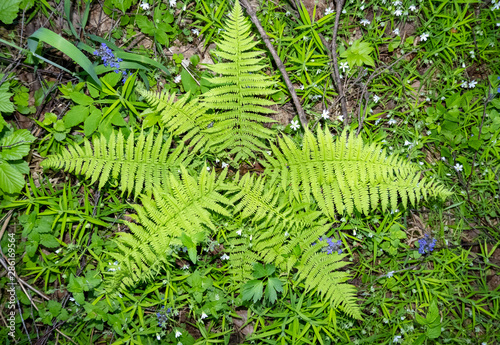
(277, 60)
(333, 54)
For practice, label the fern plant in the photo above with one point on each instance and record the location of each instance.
(139, 163)
(276, 217)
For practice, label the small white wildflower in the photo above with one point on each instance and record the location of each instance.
(224, 257)
(158, 336)
(144, 6)
(464, 84)
(392, 122)
(195, 32)
(427, 99)
(287, 13)
(268, 152)
(177, 79)
(208, 168)
(239, 232)
(172, 3)
(340, 118)
(397, 3)
(344, 66)
(412, 8)
(178, 334)
(217, 160)
(295, 125)
(443, 98)
(325, 114)
(424, 36)
(203, 316)
(376, 98)
(407, 143)
(396, 31)
(472, 84)
(365, 22)
(362, 7)
(398, 12)
(287, 234)
(224, 165)
(458, 167)
(301, 87)
(421, 163)
(428, 132)
(389, 275)
(185, 267)
(328, 11)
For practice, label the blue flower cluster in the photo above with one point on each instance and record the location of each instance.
(109, 59)
(163, 316)
(332, 246)
(426, 244)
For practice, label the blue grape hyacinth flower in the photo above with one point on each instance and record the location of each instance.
(426, 244)
(333, 246)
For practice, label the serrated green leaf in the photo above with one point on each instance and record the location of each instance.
(6, 106)
(274, 285)
(11, 180)
(49, 241)
(252, 290)
(16, 145)
(8, 11)
(54, 307)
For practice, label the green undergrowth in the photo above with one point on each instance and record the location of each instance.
(158, 187)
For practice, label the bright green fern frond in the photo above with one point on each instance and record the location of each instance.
(346, 173)
(239, 92)
(140, 164)
(184, 206)
(182, 117)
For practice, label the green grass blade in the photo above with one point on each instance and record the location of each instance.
(64, 46)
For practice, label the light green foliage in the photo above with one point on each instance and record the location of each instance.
(14, 145)
(358, 54)
(181, 210)
(238, 91)
(183, 117)
(282, 234)
(8, 10)
(140, 163)
(347, 174)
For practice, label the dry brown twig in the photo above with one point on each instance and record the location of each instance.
(277, 60)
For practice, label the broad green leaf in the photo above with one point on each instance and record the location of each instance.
(54, 307)
(91, 280)
(261, 271)
(188, 82)
(49, 241)
(81, 98)
(433, 332)
(16, 145)
(6, 106)
(92, 122)
(76, 115)
(11, 180)
(8, 10)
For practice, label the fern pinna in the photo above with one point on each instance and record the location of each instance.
(344, 174)
(140, 163)
(238, 92)
(183, 208)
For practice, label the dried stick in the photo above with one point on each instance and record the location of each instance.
(279, 63)
(333, 51)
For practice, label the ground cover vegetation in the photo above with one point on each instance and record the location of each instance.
(264, 172)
